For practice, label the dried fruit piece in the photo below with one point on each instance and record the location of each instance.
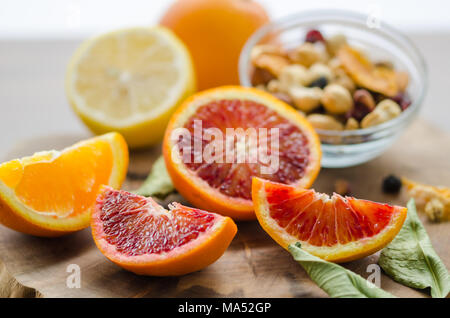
(367, 75)
(427, 195)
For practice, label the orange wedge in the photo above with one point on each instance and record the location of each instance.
(51, 193)
(141, 236)
(336, 228)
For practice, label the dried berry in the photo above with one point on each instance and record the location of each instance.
(320, 82)
(403, 100)
(392, 184)
(314, 36)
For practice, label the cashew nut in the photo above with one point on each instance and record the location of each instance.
(304, 98)
(324, 122)
(384, 111)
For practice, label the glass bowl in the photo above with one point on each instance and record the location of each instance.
(381, 43)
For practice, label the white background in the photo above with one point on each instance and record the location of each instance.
(80, 18)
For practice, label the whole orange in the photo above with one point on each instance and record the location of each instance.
(215, 32)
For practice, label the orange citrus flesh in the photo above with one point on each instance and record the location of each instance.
(51, 193)
(336, 229)
(141, 236)
(222, 185)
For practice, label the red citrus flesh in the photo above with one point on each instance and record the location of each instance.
(140, 235)
(337, 228)
(234, 179)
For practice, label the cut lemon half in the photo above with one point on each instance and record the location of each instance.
(130, 81)
(52, 192)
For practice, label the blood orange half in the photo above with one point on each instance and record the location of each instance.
(223, 184)
(337, 229)
(141, 236)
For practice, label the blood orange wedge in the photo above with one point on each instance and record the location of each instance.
(141, 236)
(222, 182)
(52, 192)
(337, 229)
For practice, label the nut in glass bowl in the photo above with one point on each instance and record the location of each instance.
(359, 87)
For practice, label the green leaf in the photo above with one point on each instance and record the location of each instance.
(158, 183)
(411, 260)
(334, 279)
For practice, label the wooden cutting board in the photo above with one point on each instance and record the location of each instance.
(253, 266)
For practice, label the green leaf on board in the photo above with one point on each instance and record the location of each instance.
(334, 279)
(411, 260)
(158, 182)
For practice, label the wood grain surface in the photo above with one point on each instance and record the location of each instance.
(254, 265)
